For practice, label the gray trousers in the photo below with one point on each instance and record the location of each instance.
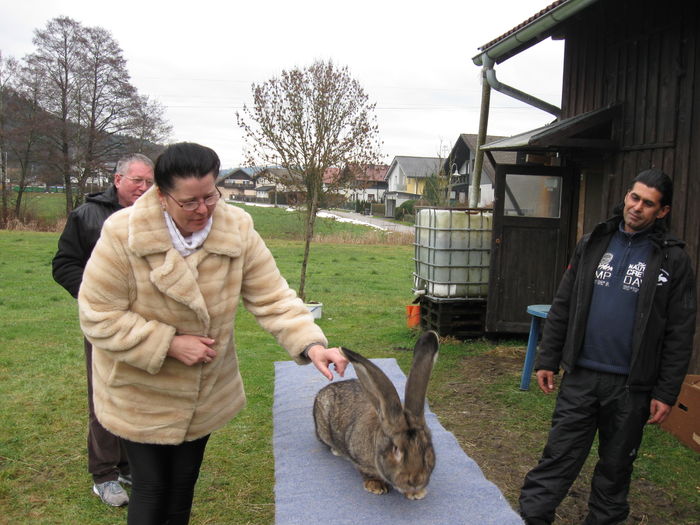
(106, 453)
(588, 402)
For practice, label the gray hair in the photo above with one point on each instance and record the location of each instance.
(124, 163)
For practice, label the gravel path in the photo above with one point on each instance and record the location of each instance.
(378, 222)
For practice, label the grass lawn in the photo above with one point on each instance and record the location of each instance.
(364, 288)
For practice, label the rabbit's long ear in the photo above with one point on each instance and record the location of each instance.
(382, 393)
(424, 357)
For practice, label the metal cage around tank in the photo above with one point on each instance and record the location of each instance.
(452, 253)
(452, 262)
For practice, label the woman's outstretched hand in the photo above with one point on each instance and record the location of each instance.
(322, 357)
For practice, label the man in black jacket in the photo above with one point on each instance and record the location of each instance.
(621, 327)
(107, 461)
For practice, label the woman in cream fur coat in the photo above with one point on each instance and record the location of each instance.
(158, 302)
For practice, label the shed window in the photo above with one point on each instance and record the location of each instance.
(533, 196)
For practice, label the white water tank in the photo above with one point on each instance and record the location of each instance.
(452, 252)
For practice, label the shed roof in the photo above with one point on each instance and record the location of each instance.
(522, 24)
(588, 130)
(538, 27)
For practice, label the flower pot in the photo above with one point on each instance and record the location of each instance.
(315, 308)
(412, 315)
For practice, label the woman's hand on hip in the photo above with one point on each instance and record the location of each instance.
(192, 349)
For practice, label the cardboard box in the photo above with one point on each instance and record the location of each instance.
(684, 420)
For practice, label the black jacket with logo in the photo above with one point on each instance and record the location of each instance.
(79, 237)
(664, 323)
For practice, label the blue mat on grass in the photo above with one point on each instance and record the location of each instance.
(312, 486)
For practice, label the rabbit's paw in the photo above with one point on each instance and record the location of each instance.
(418, 494)
(376, 486)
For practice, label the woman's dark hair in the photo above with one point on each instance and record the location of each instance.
(658, 180)
(183, 160)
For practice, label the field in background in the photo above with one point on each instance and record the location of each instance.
(40, 211)
(47, 212)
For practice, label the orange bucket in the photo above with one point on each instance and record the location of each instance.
(412, 315)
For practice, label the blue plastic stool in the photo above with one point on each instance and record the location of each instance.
(537, 311)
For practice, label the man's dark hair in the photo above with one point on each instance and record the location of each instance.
(183, 160)
(657, 179)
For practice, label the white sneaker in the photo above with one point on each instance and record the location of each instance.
(111, 493)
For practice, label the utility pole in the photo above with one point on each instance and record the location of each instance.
(475, 186)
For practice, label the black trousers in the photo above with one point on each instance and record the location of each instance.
(106, 454)
(163, 478)
(588, 402)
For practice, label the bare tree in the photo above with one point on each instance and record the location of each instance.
(309, 120)
(104, 106)
(86, 88)
(22, 126)
(30, 125)
(68, 111)
(439, 185)
(148, 123)
(8, 72)
(58, 56)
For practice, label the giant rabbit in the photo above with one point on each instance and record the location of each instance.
(363, 420)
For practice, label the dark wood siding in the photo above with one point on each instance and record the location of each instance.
(645, 55)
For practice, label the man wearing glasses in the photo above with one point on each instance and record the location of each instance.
(107, 461)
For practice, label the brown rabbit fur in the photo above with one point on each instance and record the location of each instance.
(363, 420)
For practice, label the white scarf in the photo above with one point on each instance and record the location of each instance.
(186, 246)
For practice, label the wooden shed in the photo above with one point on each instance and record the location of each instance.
(630, 101)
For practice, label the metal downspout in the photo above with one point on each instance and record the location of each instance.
(489, 80)
(486, 58)
(490, 74)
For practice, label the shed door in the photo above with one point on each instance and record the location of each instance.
(529, 250)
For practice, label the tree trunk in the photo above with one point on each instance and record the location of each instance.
(309, 234)
(24, 165)
(68, 190)
(79, 189)
(5, 191)
(66, 162)
(18, 203)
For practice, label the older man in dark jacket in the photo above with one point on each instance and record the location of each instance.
(621, 327)
(107, 461)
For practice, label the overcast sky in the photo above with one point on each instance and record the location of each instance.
(414, 59)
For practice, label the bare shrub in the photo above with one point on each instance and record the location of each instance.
(35, 224)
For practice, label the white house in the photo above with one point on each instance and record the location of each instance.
(406, 179)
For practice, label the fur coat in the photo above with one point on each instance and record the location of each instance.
(138, 292)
